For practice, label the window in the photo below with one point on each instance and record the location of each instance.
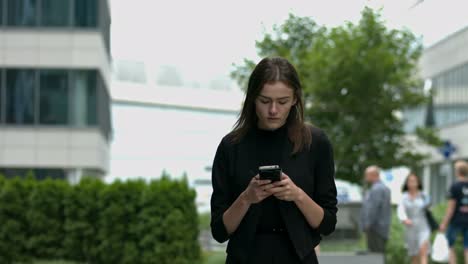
(86, 13)
(53, 101)
(20, 94)
(83, 94)
(39, 174)
(55, 13)
(1, 12)
(22, 12)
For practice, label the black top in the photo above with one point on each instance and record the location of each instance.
(269, 149)
(459, 192)
(311, 169)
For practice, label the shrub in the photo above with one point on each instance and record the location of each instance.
(14, 228)
(124, 222)
(119, 205)
(81, 218)
(169, 230)
(46, 219)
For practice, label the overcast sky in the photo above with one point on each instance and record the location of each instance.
(202, 39)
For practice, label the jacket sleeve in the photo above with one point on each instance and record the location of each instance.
(220, 196)
(325, 189)
(373, 207)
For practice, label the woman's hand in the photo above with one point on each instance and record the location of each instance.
(407, 222)
(442, 227)
(257, 190)
(285, 189)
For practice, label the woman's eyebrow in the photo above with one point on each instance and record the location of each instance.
(266, 97)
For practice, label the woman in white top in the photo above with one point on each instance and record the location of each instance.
(411, 212)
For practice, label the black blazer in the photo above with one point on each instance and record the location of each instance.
(312, 170)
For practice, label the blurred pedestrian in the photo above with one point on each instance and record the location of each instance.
(279, 220)
(376, 212)
(412, 213)
(456, 216)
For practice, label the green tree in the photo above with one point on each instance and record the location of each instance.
(356, 79)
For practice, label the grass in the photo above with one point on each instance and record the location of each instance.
(215, 257)
(345, 245)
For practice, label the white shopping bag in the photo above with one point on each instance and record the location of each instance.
(440, 249)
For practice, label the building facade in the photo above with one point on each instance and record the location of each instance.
(445, 67)
(54, 98)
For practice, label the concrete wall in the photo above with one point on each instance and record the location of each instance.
(444, 55)
(45, 147)
(68, 49)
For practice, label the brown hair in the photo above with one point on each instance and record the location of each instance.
(405, 185)
(461, 168)
(271, 70)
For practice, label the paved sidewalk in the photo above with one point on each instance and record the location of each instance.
(350, 258)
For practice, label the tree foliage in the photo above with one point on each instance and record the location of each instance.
(357, 78)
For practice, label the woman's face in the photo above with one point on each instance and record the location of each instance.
(273, 105)
(412, 183)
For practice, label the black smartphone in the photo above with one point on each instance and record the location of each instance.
(272, 172)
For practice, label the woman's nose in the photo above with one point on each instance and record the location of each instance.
(273, 109)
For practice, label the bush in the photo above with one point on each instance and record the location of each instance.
(46, 219)
(119, 205)
(14, 227)
(81, 218)
(169, 206)
(124, 222)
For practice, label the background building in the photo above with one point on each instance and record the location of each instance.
(54, 79)
(168, 128)
(445, 66)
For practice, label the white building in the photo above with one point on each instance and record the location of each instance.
(445, 64)
(54, 79)
(167, 128)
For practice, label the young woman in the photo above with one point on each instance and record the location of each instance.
(411, 212)
(264, 221)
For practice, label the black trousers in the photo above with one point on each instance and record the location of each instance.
(275, 249)
(375, 242)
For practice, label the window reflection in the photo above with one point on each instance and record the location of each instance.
(53, 104)
(22, 12)
(55, 13)
(86, 13)
(1, 12)
(83, 94)
(39, 174)
(20, 96)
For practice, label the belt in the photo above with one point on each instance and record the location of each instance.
(273, 230)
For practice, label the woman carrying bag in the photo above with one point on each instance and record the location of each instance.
(413, 213)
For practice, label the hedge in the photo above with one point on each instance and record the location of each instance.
(93, 222)
(396, 252)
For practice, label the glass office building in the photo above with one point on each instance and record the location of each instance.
(54, 79)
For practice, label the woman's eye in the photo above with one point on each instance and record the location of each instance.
(283, 102)
(264, 102)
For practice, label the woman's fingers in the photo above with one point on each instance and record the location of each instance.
(263, 182)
